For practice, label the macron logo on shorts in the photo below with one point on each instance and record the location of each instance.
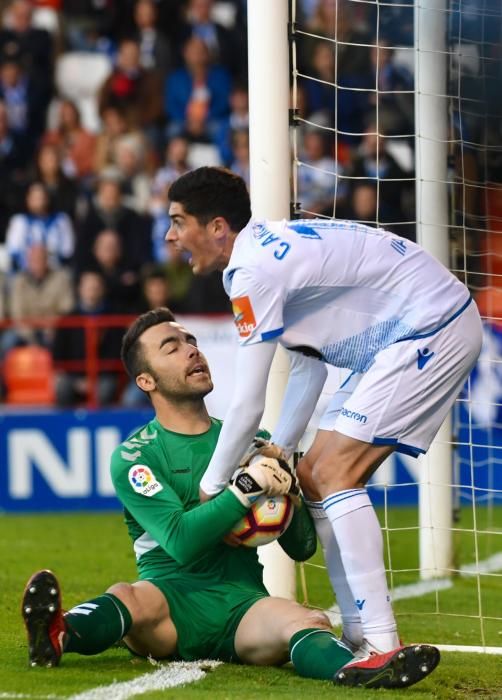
(354, 415)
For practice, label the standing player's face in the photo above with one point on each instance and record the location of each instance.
(179, 369)
(188, 234)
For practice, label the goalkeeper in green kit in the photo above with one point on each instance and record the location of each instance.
(197, 595)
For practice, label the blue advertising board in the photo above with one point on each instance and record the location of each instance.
(59, 461)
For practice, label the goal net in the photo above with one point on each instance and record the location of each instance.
(397, 121)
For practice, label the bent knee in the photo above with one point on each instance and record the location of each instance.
(126, 594)
(316, 618)
(310, 619)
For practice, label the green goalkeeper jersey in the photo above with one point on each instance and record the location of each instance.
(156, 474)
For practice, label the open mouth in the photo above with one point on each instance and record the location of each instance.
(198, 370)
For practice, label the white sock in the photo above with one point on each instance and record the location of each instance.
(360, 541)
(351, 620)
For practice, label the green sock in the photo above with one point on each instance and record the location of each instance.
(317, 653)
(95, 625)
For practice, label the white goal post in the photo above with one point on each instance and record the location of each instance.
(270, 167)
(431, 158)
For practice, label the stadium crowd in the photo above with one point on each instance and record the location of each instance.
(103, 104)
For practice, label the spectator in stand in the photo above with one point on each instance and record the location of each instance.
(13, 170)
(20, 41)
(25, 102)
(395, 107)
(320, 188)
(154, 48)
(77, 145)
(63, 191)
(203, 148)
(374, 167)
(197, 95)
(107, 211)
(323, 102)
(72, 385)
(337, 19)
(38, 292)
(237, 121)
(179, 278)
(114, 126)
(175, 164)
(321, 98)
(130, 157)
(226, 47)
(363, 203)
(90, 25)
(40, 224)
(121, 281)
(133, 89)
(239, 107)
(240, 151)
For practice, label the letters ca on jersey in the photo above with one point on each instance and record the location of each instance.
(143, 480)
(244, 317)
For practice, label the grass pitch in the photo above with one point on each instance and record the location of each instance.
(89, 552)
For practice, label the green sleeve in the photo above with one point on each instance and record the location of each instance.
(300, 539)
(185, 535)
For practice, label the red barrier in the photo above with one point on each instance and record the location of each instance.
(91, 365)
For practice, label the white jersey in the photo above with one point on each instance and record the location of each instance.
(340, 292)
(342, 289)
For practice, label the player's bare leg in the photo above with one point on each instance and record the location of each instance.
(259, 642)
(152, 632)
(304, 636)
(341, 467)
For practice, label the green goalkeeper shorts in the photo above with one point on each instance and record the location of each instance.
(207, 618)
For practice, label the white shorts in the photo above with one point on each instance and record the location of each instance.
(405, 395)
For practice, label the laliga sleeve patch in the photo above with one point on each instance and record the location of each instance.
(143, 480)
(243, 316)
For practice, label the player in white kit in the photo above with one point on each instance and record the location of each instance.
(349, 295)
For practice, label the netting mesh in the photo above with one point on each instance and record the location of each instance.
(354, 93)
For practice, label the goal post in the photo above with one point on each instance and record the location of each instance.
(270, 167)
(431, 158)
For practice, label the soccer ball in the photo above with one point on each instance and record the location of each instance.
(265, 521)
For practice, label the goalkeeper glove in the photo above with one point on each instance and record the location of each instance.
(267, 475)
(260, 447)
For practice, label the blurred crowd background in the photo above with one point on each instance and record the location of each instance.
(103, 103)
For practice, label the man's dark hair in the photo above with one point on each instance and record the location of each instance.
(131, 352)
(210, 192)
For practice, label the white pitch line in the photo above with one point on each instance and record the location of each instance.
(168, 676)
(19, 696)
(486, 566)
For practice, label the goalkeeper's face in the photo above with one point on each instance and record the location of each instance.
(208, 244)
(177, 370)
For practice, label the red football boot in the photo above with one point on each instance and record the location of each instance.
(398, 668)
(43, 617)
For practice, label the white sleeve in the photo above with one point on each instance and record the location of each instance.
(243, 416)
(307, 377)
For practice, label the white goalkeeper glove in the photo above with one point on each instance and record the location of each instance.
(266, 475)
(260, 447)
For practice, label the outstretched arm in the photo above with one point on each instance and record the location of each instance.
(307, 376)
(243, 416)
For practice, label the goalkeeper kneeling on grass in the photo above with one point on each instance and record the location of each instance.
(197, 595)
